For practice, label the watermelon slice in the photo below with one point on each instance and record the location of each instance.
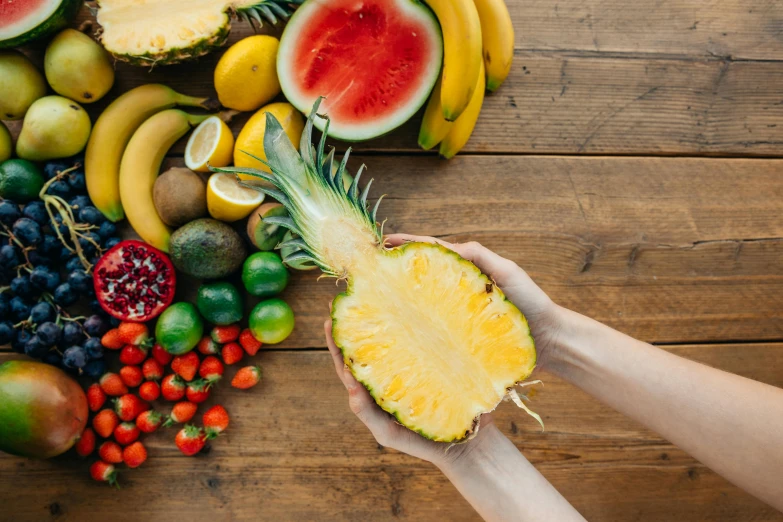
(22, 21)
(375, 61)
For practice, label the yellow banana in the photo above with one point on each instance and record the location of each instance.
(460, 132)
(434, 126)
(461, 28)
(111, 134)
(497, 34)
(140, 166)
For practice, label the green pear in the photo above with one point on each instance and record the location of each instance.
(20, 85)
(54, 127)
(77, 67)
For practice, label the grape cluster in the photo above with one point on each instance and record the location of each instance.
(49, 247)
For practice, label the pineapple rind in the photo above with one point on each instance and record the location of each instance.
(377, 395)
(177, 55)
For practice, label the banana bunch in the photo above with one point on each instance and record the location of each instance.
(469, 27)
(126, 148)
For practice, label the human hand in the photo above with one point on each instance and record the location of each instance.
(543, 315)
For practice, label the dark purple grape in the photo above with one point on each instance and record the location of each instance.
(59, 188)
(35, 348)
(45, 278)
(95, 326)
(52, 168)
(80, 202)
(80, 281)
(9, 212)
(72, 333)
(36, 258)
(75, 357)
(27, 231)
(43, 312)
(21, 286)
(64, 295)
(9, 257)
(36, 210)
(20, 340)
(50, 245)
(49, 334)
(111, 243)
(91, 215)
(5, 307)
(77, 182)
(53, 358)
(7, 333)
(20, 310)
(94, 348)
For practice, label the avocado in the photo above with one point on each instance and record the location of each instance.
(207, 249)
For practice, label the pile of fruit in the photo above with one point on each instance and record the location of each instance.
(150, 373)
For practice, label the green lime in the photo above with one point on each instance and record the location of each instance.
(264, 274)
(20, 180)
(6, 143)
(219, 303)
(271, 321)
(179, 328)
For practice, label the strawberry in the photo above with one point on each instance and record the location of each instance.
(186, 365)
(125, 433)
(134, 333)
(111, 340)
(190, 440)
(249, 343)
(181, 412)
(129, 406)
(104, 423)
(131, 376)
(161, 355)
(86, 443)
(172, 387)
(112, 384)
(197, 391)
(134, 455)
(95, 397)
(246, 377)
(103, 472)
(211, 369)
(207, 346)
(149, 421)
(110, 452)
(232, 353)
(131, 354)
(149, 391)
(152, 370)
(215, 421)
(225, 334)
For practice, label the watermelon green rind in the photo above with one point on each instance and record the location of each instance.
(372, 128)
(59, 19)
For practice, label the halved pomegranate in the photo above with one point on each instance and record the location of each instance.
(134, 281)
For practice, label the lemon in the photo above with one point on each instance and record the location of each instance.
(246, 75)
(227, 200)
(210, 144)
(6, 143)
(251, 137)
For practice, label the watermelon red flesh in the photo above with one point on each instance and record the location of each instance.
(22, 21)
(375, 61)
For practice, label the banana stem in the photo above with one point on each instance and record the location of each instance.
(210, 104)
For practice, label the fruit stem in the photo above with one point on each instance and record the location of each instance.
(210, 104)
(227, 115)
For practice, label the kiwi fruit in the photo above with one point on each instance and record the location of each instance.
(180, 196)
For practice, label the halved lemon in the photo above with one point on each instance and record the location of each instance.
(227, 200)
(210, 144)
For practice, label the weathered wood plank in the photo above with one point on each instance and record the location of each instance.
(295, 452)
(587, 102)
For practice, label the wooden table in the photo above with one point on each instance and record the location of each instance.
(629, 164)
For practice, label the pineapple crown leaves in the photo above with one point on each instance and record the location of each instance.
(271, 10)
(304, 181)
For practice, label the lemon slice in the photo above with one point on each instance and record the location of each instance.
(227, 200)
(210, 144)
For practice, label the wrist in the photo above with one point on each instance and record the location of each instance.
(567, 346)
(471, 453)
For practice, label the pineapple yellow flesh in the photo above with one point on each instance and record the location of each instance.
(433, 339)
(139, 27)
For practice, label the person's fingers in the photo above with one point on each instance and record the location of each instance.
(337, 356)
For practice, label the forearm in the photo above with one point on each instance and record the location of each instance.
(501, 484)
(731, 424)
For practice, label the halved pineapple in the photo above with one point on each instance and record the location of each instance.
(432, 338)
(160, 32)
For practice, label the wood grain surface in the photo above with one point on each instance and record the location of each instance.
(629, 164)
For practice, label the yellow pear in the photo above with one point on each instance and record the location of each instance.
(54, 127)
(20, 85)
(77, 67)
